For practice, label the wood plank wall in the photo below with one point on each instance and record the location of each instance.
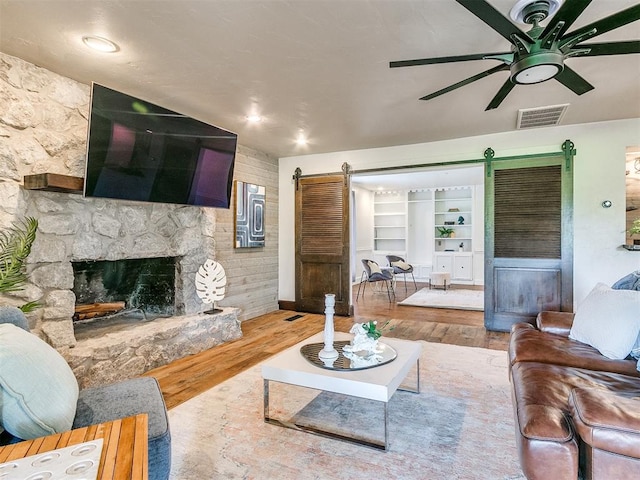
(252, 273)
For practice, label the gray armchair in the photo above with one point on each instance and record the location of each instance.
(111, 402)
(400, 267)
(373, 273)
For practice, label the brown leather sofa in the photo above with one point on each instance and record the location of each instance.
(576, 411)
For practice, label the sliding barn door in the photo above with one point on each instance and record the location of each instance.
(322, 243)
(528, 240)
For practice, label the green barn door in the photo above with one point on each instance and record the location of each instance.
(528, 239)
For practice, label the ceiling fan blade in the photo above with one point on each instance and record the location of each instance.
(465, 82)
(432, 61)
(568, 13)
(493, 18)
(573, 81)
(501, 95)
(609, 23)
(611, 48)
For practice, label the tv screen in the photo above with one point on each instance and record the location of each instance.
(139, 151)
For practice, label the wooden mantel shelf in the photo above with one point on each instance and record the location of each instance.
(54, 182)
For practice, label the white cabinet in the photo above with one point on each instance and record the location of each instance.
(458, 264)
(443, 263)
(462, 267)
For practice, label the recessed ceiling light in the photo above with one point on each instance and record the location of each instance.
(255, 118)
(100, 44)
(301, 140)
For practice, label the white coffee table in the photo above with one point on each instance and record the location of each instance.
(377, 383)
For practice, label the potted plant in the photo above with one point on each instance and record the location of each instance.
(373, 331)
(445, 232)
(15, 247)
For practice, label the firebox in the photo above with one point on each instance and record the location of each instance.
(142, 288)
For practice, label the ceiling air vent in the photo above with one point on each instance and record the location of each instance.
(541, 116)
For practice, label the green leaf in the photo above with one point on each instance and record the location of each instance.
(30, 306)
(15, 247)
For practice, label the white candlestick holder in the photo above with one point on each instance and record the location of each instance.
(328, 352)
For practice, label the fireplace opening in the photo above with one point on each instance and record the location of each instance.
(114, 294)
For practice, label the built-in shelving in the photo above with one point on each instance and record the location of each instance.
(453, 209)
(390, 223)
(406, 224)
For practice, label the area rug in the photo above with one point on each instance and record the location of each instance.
(459, 299)
(459, 427)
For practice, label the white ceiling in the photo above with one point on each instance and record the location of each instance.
(316, 66)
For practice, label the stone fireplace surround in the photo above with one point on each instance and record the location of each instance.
(73, 228)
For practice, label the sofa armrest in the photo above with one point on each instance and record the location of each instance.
(606, 420)
(14, 315)
(125, 399)
(558, 323)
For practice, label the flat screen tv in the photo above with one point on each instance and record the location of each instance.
(139, 151)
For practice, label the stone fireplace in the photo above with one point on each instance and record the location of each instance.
(99, 251)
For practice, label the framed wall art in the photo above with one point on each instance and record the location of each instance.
(250, 205)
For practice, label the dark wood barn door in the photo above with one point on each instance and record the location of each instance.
(322, 243)
(528, 240)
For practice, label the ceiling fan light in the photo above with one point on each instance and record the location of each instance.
(536, 68)
(537, 74)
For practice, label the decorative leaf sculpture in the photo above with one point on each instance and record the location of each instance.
(211, 281)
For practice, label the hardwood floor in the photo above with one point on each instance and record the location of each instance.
(269, 334)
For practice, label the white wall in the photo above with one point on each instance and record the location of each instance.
(363, 213)
(598, 175)
(478, 235)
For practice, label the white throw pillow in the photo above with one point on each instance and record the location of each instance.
(608, 320)
(375, 268)
(38, 391)
(401, 265)
(635, 352)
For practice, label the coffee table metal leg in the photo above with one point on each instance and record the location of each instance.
(417, 389)
(386, 425)
(266, 400)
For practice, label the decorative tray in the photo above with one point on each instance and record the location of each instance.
(358, 361)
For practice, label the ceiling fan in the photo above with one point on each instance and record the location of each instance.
(538, 55)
